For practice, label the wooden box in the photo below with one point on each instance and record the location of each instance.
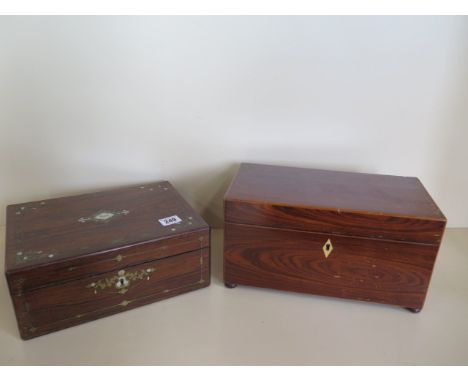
(341, 234)
(75, 259)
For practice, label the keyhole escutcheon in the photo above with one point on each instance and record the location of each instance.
(327, 248)
(122, 281)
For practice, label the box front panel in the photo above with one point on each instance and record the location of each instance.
(59, 306)
(83, 267)
(381, 271)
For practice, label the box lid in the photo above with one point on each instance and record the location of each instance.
(43, 234)
(346, 203)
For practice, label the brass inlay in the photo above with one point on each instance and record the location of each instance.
(327, 248)
(121, 281)
(124, 303)
(119, 258)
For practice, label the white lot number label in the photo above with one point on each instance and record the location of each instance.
(174, 219)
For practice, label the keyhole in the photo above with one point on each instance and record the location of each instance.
(328, 247)
(121, 281)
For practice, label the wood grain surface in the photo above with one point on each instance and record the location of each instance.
(367, 205)
(60, 229)
(60, 271)
(335, 222)
(380, 271)
(55, 307)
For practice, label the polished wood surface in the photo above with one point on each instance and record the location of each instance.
(55, 307)
(335, 221)
(348, 191)
(384, 234)
(380, 271)
(56, 249)
(380, 206)
(63, 227)
(86, 266)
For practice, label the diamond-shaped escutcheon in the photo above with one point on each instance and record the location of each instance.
(327, 248)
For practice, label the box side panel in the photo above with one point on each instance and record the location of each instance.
(338, 222)
(70, 269)
(60, 306)
(387, 272)
(19, 305)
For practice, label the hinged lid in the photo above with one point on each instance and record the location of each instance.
(87, 229)
(355, 204)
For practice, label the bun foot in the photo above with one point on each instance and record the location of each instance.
(230, 285)
(414, 310)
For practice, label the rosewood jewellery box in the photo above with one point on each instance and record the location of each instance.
(75, 259)
(341, 234)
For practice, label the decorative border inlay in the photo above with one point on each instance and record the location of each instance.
(121, 281)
